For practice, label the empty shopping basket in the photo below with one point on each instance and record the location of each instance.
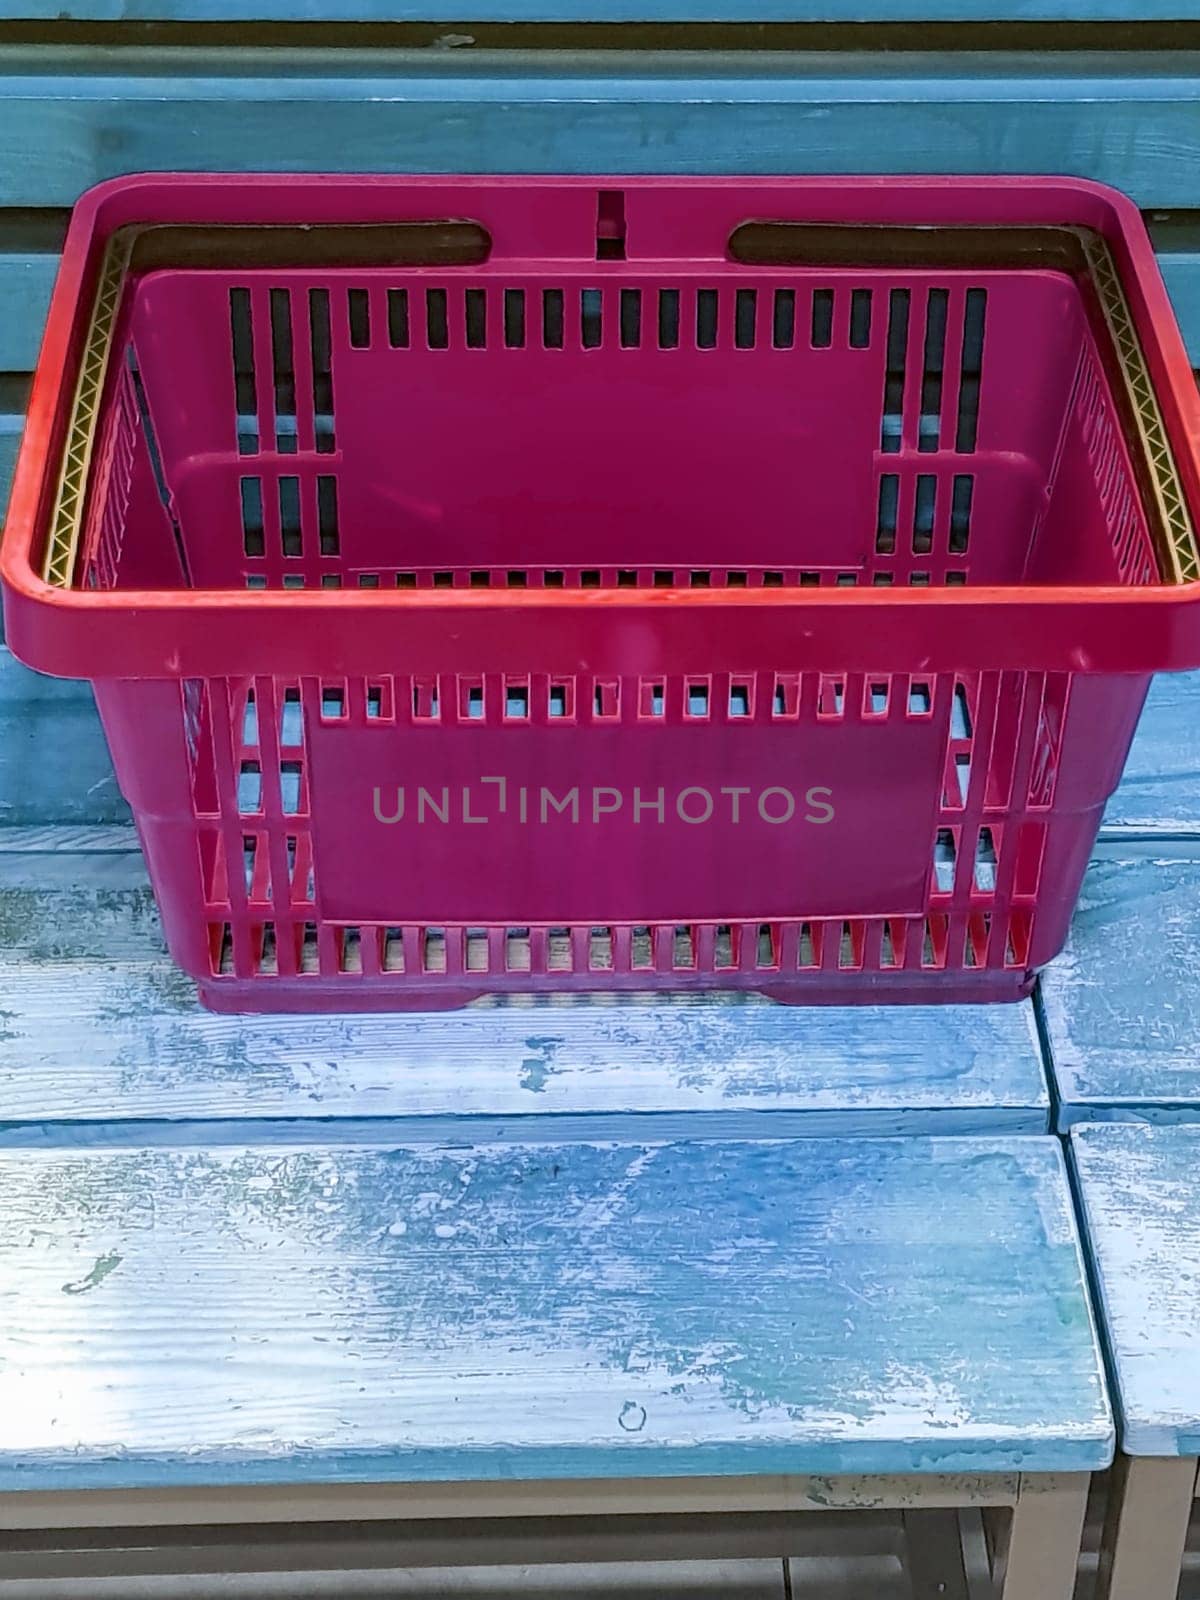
(547, 584)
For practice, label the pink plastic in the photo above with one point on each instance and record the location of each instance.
(610, 614)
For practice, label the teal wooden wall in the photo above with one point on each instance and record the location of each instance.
(1101, 88)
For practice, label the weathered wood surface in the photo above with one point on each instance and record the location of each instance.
(354, 1309)
(1141, 1208)
(26, 281)
(72, 116)
(80, 945)
(1159, 796)
(54, 762)
(603, 10)
(1122, 1003)
(96, 1023)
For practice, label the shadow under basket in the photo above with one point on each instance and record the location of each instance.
(609, 591)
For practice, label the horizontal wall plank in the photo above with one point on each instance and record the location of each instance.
(54, 763)
(1182, 274)
(603, 10)
(11, 428)
(69, 118)
(26, 281)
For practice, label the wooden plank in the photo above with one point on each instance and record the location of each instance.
(25, 285)
(79, 940)
(54, 763)
(605, 10)
(337, 1309)
(776, 1494)
(57, 845)
(11, 428)
(1150, 1501)
(1181, 271)
(1122, 1003)
(26, 281)
(1159, 793)
(96, 1018)
(1141, 1211)
(596, 1579)
(71, 117)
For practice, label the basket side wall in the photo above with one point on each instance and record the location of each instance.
(1044, 753)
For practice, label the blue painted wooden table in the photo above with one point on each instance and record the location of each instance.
(577, 1250)
(587, 1327)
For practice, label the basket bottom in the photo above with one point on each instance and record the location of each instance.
(309, 994)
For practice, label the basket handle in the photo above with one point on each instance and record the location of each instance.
(577, 222)
(419, 242)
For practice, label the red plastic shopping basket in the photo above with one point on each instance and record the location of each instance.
(557, 583)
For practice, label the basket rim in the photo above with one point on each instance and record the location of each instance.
(1072, 202)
